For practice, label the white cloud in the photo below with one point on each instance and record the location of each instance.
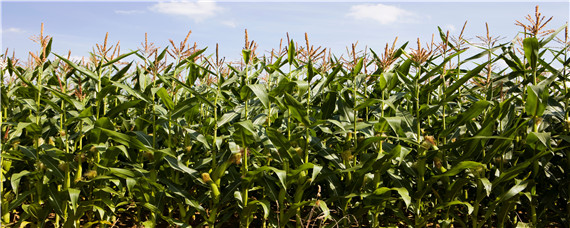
(385, 14)
(197, 11)
(128, 12)
(229, 23)
(450, 27)
(12, 30)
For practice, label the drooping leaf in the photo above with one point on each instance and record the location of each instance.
(16, 178)
(297, 110)
(122, 107)
(81, 69)
(166, 98)
(125, 139)
(178, 165)
(460, 167)
(261, 92)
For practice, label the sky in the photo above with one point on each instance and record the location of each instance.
(78, 26)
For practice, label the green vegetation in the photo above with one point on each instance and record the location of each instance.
(298, 138)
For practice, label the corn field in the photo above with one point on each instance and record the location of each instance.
(176, 137)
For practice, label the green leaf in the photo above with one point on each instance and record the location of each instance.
(316, 170)
(245, 133)
(324, 208)
(16, 178)
(190, 59)
(47, 51)
(531, 47)
(124, 139)
(281, 174)
(19, 200)
(457, 202)
(68, 99)
(541, 139)
(181, 108)
(130, 182)
(25, 80)
(119, 58)
(55, 201)
(194, 92)
(86, 113)
(358, 67)
(301, 168)
(81, 69)
(405, 195)
(486, 52)
(282, 144)
(178, 165)
(199, 137)
(121, 107)
(121, 73)
(31, 104)
(228, 117)
(310, 71)
(460, 167)
(51, 164)
(396, 124)
(264, 205)
(104, 122)
(122, 173)
(261, 92)
(472, 73)
(291, 52)
(382, 190)
(161, 55)
(33, 128)
(487, 185)
(74, 197)
(445, 37)
(516, 170)
(328, 107)
(400, 153)
(475, 110)
(144, 138)
(132, 92)
(28, 152)
(181, 192)
(519, 187)
(246, 55)
(534, 105)
(368, 103)
(297, 109)
(166, 98)
(553, 35)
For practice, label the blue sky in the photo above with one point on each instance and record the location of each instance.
(78, 26)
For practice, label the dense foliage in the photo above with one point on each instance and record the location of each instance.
(296, 138)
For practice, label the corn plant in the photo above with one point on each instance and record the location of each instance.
(177, 137)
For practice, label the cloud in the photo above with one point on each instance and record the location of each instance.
(229, 23)
(128, 12)
(12, 30)
(450, 27)
(384, 14)
(197, 11)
